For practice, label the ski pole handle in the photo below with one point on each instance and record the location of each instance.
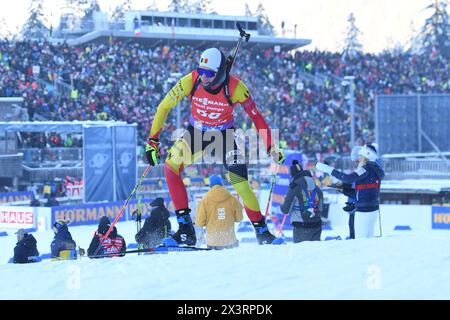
(243, 35)
(242, 32)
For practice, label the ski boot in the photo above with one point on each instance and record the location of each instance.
(186, 232)
(263, 234)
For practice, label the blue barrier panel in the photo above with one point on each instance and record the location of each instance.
(132, 246)
(3, 234)
(440, 217)
(87, 214)
(253, 240)
(124, 138)
(245, 229)
(333, 238)
(41, 257)
(326, 227)
(245, 226)
(98, 164)
(45, 256)
(402, 228)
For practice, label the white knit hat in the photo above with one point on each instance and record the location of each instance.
(369, 151)
(211, 59)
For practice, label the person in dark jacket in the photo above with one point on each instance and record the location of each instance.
(304, 202)
(365, 181)
(156, 227)
(35, 201)
(63, 247)
(26, 248)
(113, 246)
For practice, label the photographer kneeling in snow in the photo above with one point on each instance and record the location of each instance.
(366, 180)
(113, 246)
(63, 247)
(304, 202)
(26, 248)
(156, 227)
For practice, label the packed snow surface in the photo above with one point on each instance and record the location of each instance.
(402, 265)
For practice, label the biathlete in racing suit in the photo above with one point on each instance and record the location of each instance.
(213, 95)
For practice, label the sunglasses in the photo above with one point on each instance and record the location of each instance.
(206, 72)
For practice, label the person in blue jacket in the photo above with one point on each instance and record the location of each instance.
(63, 247)
(365, 191)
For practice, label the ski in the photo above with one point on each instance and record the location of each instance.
(179, 249)
(157, 250)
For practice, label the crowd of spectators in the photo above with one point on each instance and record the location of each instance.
(124, 80)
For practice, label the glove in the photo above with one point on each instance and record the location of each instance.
(280, 157)
(324, 167)
(152, 151)
(349, 207)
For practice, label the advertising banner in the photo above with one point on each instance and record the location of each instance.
(17, 217)
(8, 197)
(90, 214)
(98, 164)
(440, 217)
(125, 160)
(87, 214)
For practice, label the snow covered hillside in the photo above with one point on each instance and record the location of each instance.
(404, 265)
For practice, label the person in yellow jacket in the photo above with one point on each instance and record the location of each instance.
(218, 211)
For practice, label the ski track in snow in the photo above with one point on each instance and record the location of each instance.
(402, 265)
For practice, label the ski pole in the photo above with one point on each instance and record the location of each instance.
(379, 221)
(282, 224)
(138, 221)
(122, 209)
(274, 177)
(155, 250)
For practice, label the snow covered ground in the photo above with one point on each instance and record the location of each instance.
(400, 265)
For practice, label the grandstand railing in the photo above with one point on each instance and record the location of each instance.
(40, 165)
(44, 174)
(37, 155)
(394, 169)
(11, 165)
(416, 169)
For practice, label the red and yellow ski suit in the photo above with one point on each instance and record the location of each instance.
(209, 112)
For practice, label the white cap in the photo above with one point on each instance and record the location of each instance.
(369, 152)
(210, 59)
